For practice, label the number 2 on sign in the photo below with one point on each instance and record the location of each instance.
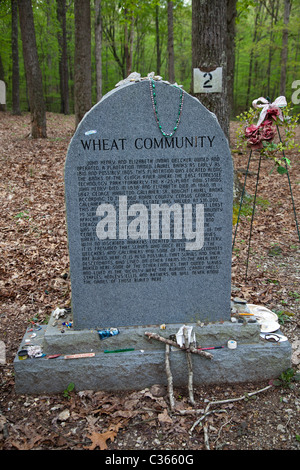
(207, 83)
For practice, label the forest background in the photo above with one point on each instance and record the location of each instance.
(141, 36)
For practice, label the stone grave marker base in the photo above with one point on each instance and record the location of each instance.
(253, 360)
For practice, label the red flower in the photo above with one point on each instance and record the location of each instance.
(251, 130)
(266, 122)
(268, 133)
(255, 142)
(253, 137)
(272, 113)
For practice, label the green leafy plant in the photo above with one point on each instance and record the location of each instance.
(68, 390)
(22, 215)
(284, 316)
(287, 378)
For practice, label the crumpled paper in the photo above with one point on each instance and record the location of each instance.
(180, 340)
(34, 351)
(59, 312)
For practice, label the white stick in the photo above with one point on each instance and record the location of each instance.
(169, 377)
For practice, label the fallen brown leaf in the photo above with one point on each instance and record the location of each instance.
(99, 440)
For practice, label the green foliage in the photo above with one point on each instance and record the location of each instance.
(284, 316)
(258, 51)
(247, 207)
(22, 215)
(258, 45)
(286, 379)
(68, 390)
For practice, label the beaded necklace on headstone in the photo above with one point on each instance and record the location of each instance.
(154, 104)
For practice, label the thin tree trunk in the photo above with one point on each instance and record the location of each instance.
(128, 43)
(33, 71)
(231, 30)
(171, 69)
(82, 59)
(15, 59)
(251, 54)
(284, 51)
(63, 60)
(158, 51)
(274, 15)
(98, 48)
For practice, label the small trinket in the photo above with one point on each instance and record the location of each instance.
(108, 332)
(79, 356)
(23, 354)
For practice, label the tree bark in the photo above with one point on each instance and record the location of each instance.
(158, 51)
(82, 60)
(231, 31)
(209, 51)
(284, 51)
(128, 42)
(171, 69)
(98, 48)
(63, 59)
(33, 71)
(254, 40)
(15, 59)
(274, 15)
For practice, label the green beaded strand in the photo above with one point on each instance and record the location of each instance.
(154, 104)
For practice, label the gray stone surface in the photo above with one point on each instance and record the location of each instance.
(118, 157)
(57, 339)
(2, 92)
(254, 359)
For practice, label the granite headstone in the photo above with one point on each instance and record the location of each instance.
(149, 217)
(2, 92)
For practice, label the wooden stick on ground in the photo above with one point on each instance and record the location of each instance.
(169, 377)
(217, 402)
(173, 343)
(190, 366)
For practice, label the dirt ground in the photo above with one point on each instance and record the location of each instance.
(34, 281)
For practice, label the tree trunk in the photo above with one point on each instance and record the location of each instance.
(128, 42)
(63, 59)
(210, 46)
(171, 69)
(284, 51)
(254, 40)
(158, 51)
(268, 71)
(82, 59)
(15, 59)
(231, 30)
(98, 48)
(209, 51)
(33, 71)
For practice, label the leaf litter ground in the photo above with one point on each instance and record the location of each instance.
(34, 281)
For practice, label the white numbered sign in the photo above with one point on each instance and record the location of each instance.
(208, 82)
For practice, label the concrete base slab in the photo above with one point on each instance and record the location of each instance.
(143, 365)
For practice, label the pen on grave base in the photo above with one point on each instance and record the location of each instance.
(118, 350)
(214, 347)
